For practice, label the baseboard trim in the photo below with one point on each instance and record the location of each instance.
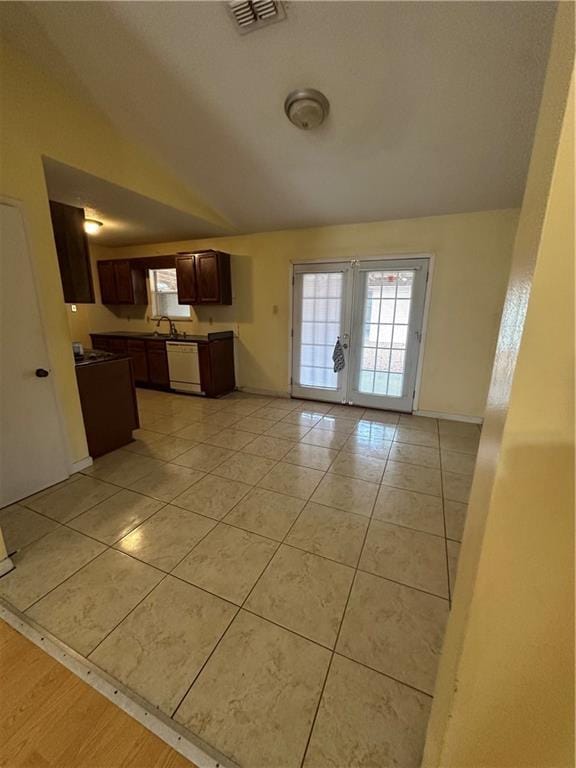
(449, 416)
(78, 466)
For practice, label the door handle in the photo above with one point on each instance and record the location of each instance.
(42, 373)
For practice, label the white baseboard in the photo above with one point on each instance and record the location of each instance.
(449, 416)
(78, 466)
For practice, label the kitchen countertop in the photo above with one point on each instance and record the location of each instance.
(95, 356)
(193, 338)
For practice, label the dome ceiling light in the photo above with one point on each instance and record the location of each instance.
(92, 226)
(306, 108)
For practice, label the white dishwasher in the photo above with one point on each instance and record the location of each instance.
(184, 366)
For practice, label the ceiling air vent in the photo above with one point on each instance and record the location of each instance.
(254, 14)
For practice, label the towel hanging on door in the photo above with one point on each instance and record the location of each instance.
(338, 357)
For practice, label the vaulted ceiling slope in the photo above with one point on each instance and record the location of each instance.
(433, 104)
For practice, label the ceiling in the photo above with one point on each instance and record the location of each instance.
(127, 217)
(433, 104)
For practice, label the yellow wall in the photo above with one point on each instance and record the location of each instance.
(40, 118)
(472, 262)
(505, 690)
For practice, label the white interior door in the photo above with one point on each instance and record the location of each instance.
(389, 299)
(376, 308)
(32, 447)
(321, 314)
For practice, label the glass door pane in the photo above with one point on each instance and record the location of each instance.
(320, 310)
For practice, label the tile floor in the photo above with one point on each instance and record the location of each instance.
(273, 574)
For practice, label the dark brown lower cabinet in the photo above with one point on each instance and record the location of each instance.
(150, 360)
(158, 372)
(109, 407)
(137, 351)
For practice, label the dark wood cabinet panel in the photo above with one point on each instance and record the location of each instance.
(73, 254)
(157, 357)
(122, 283)
(137, 351)
(99, 342)
(186, 279)
(204, 278)
(107, 277)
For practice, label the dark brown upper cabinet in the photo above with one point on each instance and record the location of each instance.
(204, 278)
(73, 253)
(121, 282)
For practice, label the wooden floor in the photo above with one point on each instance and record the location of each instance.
(52, 718)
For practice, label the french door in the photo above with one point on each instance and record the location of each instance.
(376, 310)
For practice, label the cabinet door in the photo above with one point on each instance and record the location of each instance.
(124, 289)
(107, 277)
(137, 351)
(208, 278)
(73, 254)
(186, 279)
(99, 342)
(157, 363)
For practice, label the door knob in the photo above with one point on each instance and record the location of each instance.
(42, 373)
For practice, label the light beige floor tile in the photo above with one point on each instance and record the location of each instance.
(21, 526)
(455, 514)
(411, 477)
(415, 454)
(266, 512)
(424, 423)
(160, 647)
(243, 408)
(86, 607)
(314, 405)
(462, 444)
(325, 438)
(456, 487)
(43, 565)
(360, 466)
(72, 479)
(394, 629)
(313, 456)
(203, 457)
(416, 437)
(254, 425)
(256, 697)
(167, 537)
(244, 467)
(461, 463)
(286, 404)
(292, 480)
(346, 493)
(71, 500)
(347, 412)
(165, 447)
(270, 412)
(375, 430)
(116, 517)
(148, 419)
(368, 446)
(198, 431)
(286, 431)
(223, 419)
(459, 428)
(169, 424)
(366, 719)
(212, 496)
(268, 447)
(330, 533)
(143, 440)
(414, 510)
(303, 418)
(453, 554)
(122, 467)
(304, 593)
(384, 417)
(230, 438)
(227, 562)
(167, 482)
(411, 557)
(335, 423)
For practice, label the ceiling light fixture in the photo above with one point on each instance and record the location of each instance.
(306, 108)
(91, 226)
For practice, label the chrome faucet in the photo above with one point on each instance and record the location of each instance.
(173, 330)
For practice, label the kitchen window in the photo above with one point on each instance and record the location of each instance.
(164, 294)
